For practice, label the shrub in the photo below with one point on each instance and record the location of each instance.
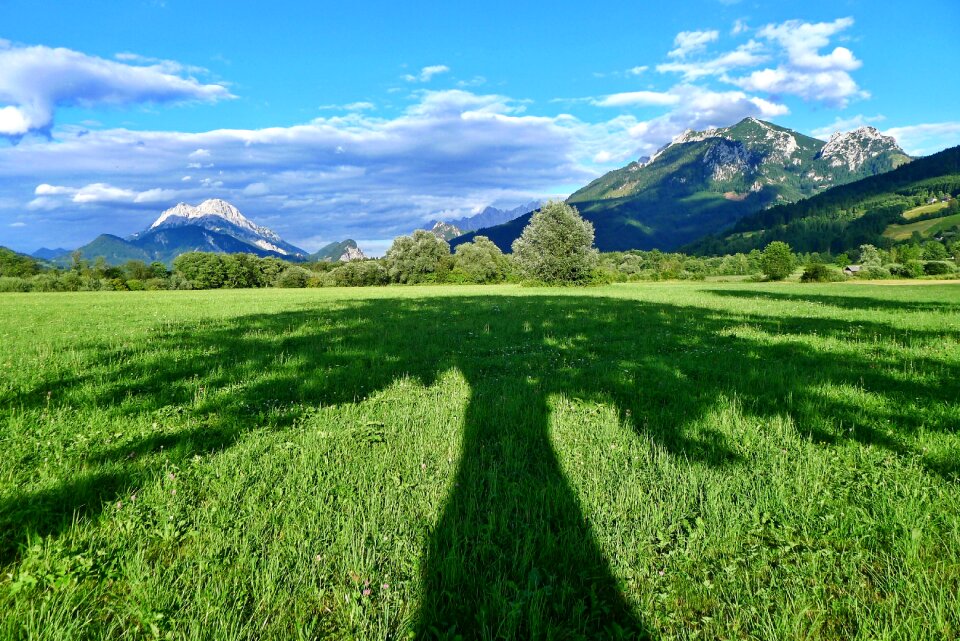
(874, 273)
(14, 284)
(358, 273)
(135, 285)
(153, 284)
(293, 277)
(937, 268)
(556, 247)
(819, 273)
(910, 269)
(777, 261)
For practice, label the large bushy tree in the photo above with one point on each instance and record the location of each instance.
(481, 261)
(777, 261)
(556, 246)
(417, 258)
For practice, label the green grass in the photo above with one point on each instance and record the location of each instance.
(924, 209)
(926, 228)
(677, 461)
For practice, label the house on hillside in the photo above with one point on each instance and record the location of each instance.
(851, 270)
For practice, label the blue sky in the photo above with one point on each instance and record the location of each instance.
(326, 121)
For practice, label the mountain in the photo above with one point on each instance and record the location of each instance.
(876, 210)
(344, 251)
(114, 250)
(16, 264)
(445, 231)
(212, 226)
(223, 218)
(47, 254)
(705, 181)
(491, 216)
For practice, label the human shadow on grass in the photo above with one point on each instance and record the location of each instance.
(512, 555)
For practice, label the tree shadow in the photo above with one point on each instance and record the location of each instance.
(512, 555)
(860, 302)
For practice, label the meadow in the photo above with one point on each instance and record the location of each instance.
(660, 460)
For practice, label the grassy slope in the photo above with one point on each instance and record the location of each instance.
(923, 210)
(927, 228)
(770, 461)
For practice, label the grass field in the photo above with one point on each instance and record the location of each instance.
(924, 209)
(672, 461)
(926, 228)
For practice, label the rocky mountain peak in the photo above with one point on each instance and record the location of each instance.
(216, 214)
(445, 231)
(852, 149)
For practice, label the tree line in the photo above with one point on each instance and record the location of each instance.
(556, 247)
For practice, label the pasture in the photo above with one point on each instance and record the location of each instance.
(665, 461)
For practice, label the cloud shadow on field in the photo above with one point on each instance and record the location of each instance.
(512, 554)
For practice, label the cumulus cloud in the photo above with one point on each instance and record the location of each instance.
(35, 81)
(928, 138)
(688, 42)
(805, 71)
(427, 73)
(342, 176)
(846, 124)
(95, 193)
(637, 98)
(256, 189)
(748, 54)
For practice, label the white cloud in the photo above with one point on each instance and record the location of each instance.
(739, 26)
(19, 223)
(199, 153)
(351, 106)
(95, 193)
(803, 41)
(351, 175)
(35, 81)
(637, 98)
(846, 124)
(805, 72)
(636, 71)
(256, 189)
(700, 108)
(748, 54)
(427, 73)
(688, 42)
(928, 138)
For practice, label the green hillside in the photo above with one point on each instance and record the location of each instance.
(871, 210)
(704, 182)
(113, 249)
(16, 264)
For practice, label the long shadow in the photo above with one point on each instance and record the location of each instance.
(512, 555)
(862, 302)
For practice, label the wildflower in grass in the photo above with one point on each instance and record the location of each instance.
(366, 592)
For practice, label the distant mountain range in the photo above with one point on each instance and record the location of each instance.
(703, 182)
(212, 226)
(490, 216)
(46, 254)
